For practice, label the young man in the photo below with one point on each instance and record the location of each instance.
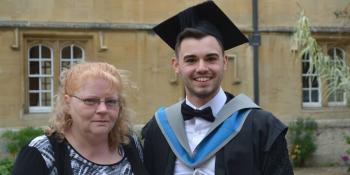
(211, 131)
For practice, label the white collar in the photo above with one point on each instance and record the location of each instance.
(216, 103)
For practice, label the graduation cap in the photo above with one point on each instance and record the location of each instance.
(206, 17)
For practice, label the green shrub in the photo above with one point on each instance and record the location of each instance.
(346, 156)
(302, 134)
(6, 166)
(15, 140)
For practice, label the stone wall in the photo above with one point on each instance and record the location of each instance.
(330, 142)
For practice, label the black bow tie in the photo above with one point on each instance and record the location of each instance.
(188, 113)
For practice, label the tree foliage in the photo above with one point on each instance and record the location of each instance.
(332, 70)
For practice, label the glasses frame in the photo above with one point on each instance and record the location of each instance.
(97, 101)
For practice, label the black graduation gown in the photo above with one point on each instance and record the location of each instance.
(258, 149)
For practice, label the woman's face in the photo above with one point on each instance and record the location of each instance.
(94, 107)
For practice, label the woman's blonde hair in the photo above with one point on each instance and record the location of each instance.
(71, 80)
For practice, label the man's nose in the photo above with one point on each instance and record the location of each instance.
(202, 65)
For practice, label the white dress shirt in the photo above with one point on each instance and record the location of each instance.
(196, 129)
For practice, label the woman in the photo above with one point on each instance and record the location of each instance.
(89, 133)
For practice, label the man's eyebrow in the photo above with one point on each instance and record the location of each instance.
(212, 54)
(189, 56)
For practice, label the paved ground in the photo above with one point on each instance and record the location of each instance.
(321, 171)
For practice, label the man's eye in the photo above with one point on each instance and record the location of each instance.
(190, 60)
(212, 58)
(91, 101)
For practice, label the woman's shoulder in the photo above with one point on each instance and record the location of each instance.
(43, 145)
(39, 142)
(36, 156)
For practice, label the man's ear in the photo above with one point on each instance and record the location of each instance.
(225, 61)
(175, 64)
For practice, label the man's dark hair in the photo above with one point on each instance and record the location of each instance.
(192, 33)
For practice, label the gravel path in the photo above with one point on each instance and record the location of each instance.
(321, 171)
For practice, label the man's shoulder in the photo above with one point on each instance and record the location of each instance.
(149, 127)
(267, 125)
(262, 116)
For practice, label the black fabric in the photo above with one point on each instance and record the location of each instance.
(132, 154)
(62, 160)
(258, 149)
(188, 113)
(206, 17)
(32, 163)
(276, 160)
(29, 162)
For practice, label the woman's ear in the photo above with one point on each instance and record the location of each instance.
(66, 102)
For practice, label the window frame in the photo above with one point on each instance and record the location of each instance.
(56, 45)
(71, 60)
(344, 102)
(310, 88)
(40, 108)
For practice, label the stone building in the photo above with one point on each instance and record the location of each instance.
(39, 38)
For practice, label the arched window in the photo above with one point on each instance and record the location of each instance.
(311, 84)
(71, 55)
(336, 97)
(40, 78)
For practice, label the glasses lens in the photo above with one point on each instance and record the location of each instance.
(111, 103)
(91, 101)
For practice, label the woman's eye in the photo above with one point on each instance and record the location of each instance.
(91, 101)
(111, 101)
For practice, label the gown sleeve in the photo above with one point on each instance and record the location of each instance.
(30, 162)
(276, 160)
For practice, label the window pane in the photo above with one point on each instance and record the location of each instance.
(45, 52)
(314, 81)
(66, 52)
(65, 65)
(34, 99)
(306, 96)
(77, 61)
(33, 67)
(339, 53)
(46, 68)
(46, 83)
(306, 82)
(314, 96)
(46, 99)
(34, 83)
(340, 96)
(338, 56)
(34, 52)
(305, 67)
(305, 57)
(331, 97)
(77, 53)
(330, 52)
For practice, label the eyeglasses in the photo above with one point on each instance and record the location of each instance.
(110, 103)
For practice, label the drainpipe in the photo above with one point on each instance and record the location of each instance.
(255, 43)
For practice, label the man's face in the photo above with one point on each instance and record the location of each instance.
(201, 64)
